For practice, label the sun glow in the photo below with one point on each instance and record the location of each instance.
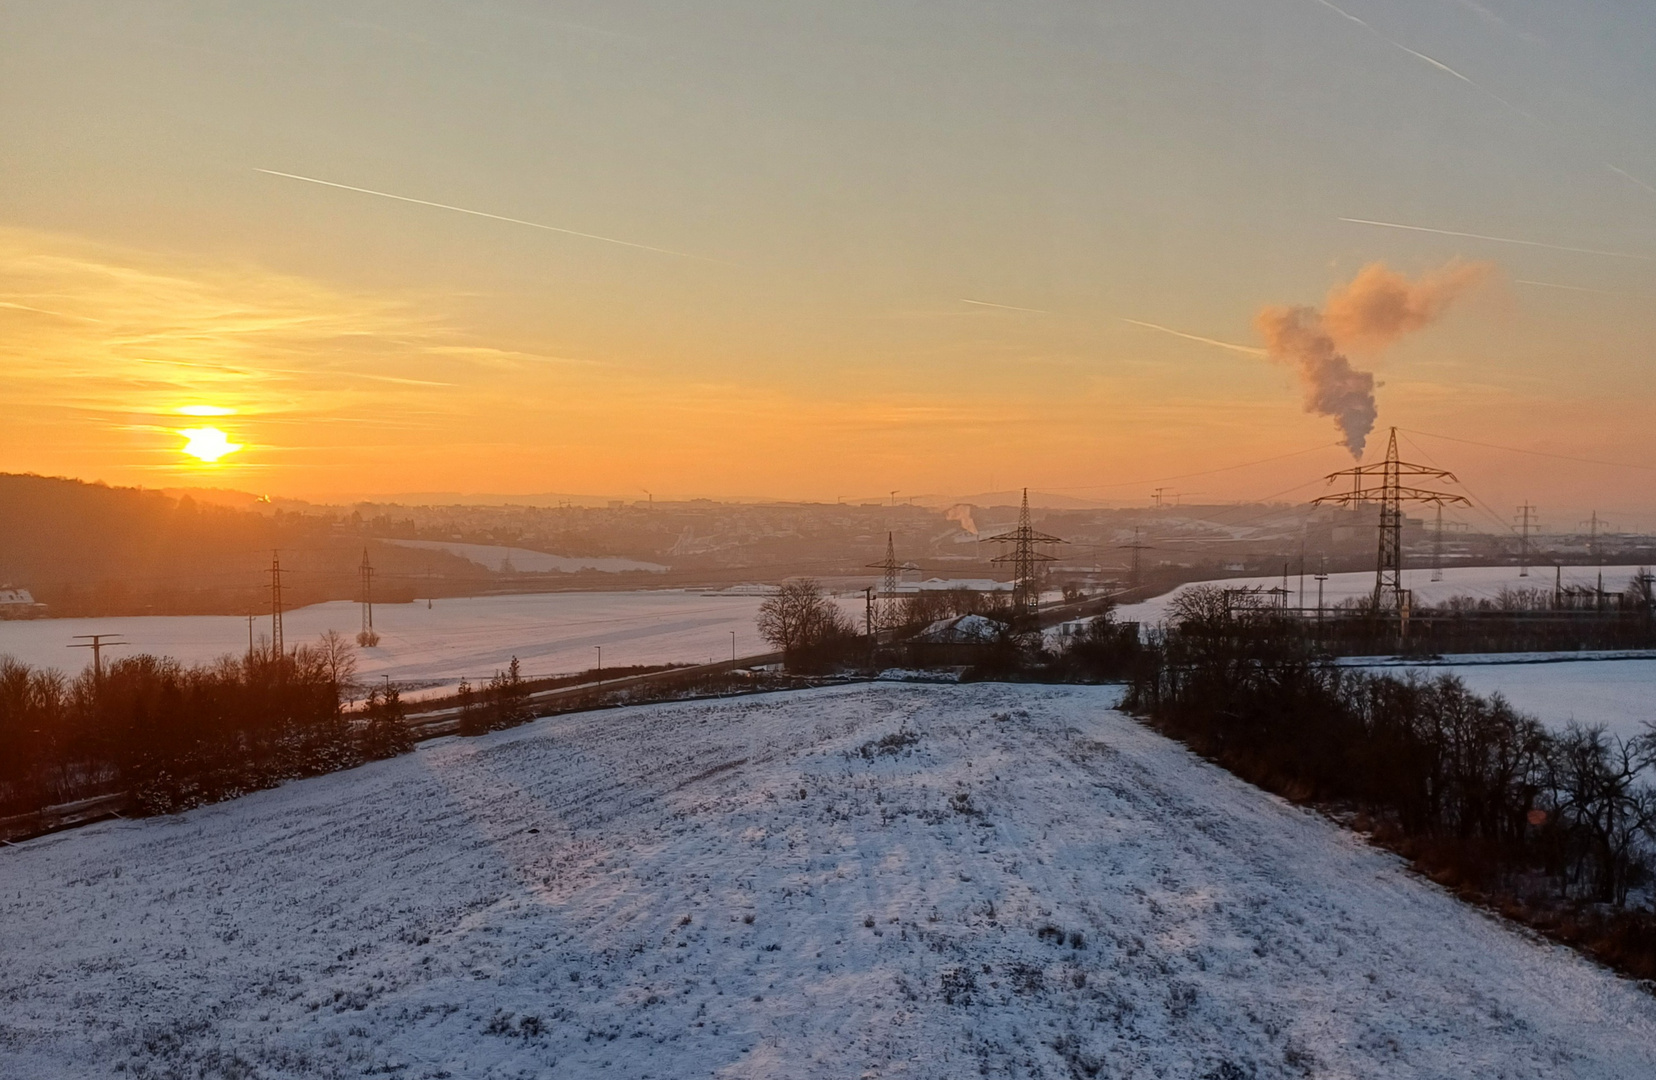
(208, 443)
(205, 410)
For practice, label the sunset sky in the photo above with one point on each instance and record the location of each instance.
(784, 250)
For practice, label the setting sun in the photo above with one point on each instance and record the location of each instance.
(208, 443)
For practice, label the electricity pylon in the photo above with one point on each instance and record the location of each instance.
(1382, 482)
(366, 638)
(892, 577)
(1026, 561)
(1135, 576)
(1526, 522)
(276, 647)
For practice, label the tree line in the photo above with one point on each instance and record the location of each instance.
(815, 635)
(175, 736)
(1486, 797)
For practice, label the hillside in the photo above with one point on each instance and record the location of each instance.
(883, 880)
(90, 549)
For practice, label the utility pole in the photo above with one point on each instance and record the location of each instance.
(733, 649)
(1026, 561)
(1393, 493)
(868, 621)
(277, 649)
(97, 644)
(1302, 573)
(1596, 554)
(250, 619)
(1526, 519)
(1322, 576)
(600, 649)
(1157, 497)
(1437, 546)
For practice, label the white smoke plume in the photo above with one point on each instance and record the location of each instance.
(962, 513)
(1378, 307)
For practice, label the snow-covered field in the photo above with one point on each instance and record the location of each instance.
(877, 881)
(1483, 582)
(1615, 693)
(1619, 694)
(548, 632)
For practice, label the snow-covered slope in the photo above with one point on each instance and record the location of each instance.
(887, 880)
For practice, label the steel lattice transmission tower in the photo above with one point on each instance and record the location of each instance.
(890, 580)
(366, 637)
(276, 644)
(1027, 561)
(1382, 482)
(1135, 576)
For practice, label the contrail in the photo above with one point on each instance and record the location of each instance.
(1004, 307)
(1625, 175)
(484, 214)
(1498, 239)
(1232, 346)
(1440, 65)
(1556, 285)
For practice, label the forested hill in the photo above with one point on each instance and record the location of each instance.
(86, 549)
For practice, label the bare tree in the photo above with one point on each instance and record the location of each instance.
(338, 659)
(801, 615)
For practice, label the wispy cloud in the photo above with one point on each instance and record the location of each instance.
(123, 335)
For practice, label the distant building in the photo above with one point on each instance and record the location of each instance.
(944, 584)
(962, 630)
(18, 603)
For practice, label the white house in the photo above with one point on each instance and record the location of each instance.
(18, 603)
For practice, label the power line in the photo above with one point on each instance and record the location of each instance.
(1202, 472)
(1535, 453)
(1478, 502)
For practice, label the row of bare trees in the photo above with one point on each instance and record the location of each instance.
(176, 736)
(1426, 755)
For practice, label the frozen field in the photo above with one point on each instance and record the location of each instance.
(1028, 884)
(548, 632)
(1483, 582)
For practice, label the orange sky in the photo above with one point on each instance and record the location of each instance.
(844, 192)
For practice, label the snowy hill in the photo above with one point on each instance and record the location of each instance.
(875, 881)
